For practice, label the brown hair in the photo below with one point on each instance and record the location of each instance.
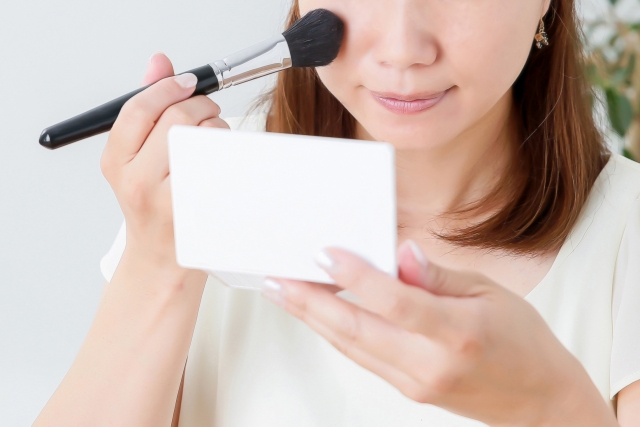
(557, 162)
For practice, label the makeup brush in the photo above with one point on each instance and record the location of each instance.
(312, 41)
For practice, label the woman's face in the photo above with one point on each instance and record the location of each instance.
(459, 56)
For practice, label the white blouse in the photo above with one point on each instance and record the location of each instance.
(253, 364)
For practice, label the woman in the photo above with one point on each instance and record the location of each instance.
(518, 280)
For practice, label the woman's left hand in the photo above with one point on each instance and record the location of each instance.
(449, 338)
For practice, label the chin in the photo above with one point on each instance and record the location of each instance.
(405, 133)
(410, 140)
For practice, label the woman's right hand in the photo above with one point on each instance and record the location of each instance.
(135, 160)
(147, 314)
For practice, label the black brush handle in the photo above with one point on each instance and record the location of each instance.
(102, 118)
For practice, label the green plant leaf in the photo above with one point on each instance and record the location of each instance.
(631, 66)
(613, 2)
(618, 77)
(627, 154)
(620, 111)
(621, 76)
(593, 75)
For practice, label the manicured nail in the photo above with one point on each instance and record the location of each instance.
(152, 56)
(273, 291)
(187, 80)
(324, 260)
(417, 253)
(271, 285)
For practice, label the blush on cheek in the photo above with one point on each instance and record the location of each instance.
(341, 78)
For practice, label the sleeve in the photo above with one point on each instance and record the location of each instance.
(110, 261)
(625, 351)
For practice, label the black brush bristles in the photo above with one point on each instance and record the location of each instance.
(314, 40)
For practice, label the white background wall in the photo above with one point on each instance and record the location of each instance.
(58, 215)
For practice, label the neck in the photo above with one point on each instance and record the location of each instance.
(433, 181)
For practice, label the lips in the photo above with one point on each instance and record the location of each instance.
(407, 104)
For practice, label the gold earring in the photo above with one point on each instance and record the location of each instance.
(541, 37)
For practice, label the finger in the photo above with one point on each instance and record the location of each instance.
(351, 329)
(216, 122)
(154, 154)
(397, 378)
(410, 264)
(158, 68)
(139, 114)
(332, 289)
(442, 281)
(409, 307)
(414, 269)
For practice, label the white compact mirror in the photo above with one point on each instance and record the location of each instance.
(252, 204)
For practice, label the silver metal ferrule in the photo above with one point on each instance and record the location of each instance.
(267, 57)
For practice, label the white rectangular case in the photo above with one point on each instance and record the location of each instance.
(251, 204)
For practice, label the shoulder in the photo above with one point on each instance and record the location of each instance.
(625, 354)
(606, 216)
(621, 167)
(253, 122)
(612, 201)
(619, 183)
(624, 171)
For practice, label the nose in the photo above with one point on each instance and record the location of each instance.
(404, 37)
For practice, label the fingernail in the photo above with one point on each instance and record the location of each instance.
(273, 291)
(417, 253)
(326, 261)
(187, 80)
(152, 56)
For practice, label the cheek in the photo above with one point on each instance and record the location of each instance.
(344, 79)
(486, 48)
(336, 79)
(309, 5)
(346, 72)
